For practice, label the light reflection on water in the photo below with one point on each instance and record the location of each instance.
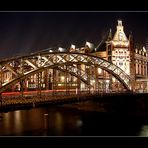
(6, 120)
(144, 131)
(58, 123)
(73, 119)
(17, 121)
(32, 122)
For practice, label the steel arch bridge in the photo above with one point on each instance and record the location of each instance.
(18, 69)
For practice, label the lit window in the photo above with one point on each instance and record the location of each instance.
(99, 70)
(120, 64)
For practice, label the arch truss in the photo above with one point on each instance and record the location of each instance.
(16, 69)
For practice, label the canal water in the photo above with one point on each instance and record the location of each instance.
(89, 118)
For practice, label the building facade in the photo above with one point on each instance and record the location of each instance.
(118, 49)
(121, 51)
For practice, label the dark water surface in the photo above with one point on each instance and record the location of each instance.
(89, 118)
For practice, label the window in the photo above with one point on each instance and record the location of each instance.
(120, 64)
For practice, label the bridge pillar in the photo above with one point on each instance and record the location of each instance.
(104, 81)
(66, 81)
(50, 82)
(21, 88)
(87, 69)
(54, 84)
(78, 80)
(25, 83)
(46, 79)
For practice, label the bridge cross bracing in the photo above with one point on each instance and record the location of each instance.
(20, 68)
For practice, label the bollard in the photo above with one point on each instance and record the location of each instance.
(46, 121)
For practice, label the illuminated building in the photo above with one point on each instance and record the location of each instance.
(121, 51)
(117, 49)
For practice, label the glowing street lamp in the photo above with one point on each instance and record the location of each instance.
(73, 46)
(90, 45)
(50, 50)
(60, 49)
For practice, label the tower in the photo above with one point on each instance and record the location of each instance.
(132, 62)
(120, 49)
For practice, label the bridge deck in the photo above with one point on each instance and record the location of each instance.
(32, 101)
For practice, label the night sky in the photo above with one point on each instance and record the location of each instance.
(25, 32)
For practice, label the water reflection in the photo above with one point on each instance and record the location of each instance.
(17, 121)
(41, 121)
(6, 120)
(87, 118)
(58, 123)
(79, 123)
(63, 122)
(144, 131)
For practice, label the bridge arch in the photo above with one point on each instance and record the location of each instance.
(22, 77)
(48, 60)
